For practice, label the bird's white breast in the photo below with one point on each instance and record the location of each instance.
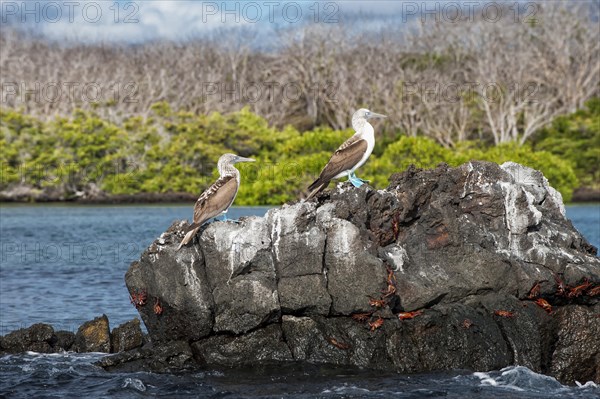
(368, 134)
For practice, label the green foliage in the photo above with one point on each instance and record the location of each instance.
(420, 151)
(171, 151)
(283, 174)
(68, 154)
(559, 172)
(19, 134)
(576, 138)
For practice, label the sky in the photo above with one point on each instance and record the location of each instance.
(139, 21)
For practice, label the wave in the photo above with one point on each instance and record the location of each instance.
(522, 379)
(75, 375)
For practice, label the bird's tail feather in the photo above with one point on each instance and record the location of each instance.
(193, 226)
(315, 184)
(316, 188)
(188, 237)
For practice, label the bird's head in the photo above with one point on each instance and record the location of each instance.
(233, 159)
(366, 114)
(238, 159)
(362, 115)
(227, 161)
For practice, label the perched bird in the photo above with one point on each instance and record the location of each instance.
(351, 155)
(218, 197)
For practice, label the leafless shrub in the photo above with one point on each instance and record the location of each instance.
(500, 81)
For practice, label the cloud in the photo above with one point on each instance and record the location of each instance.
(129, 21)
(139, 21)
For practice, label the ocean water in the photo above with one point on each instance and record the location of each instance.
(65, 264)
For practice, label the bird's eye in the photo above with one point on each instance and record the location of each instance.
(367, 113)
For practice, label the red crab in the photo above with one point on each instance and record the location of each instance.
(157, 307)
(138, 298)
(504, 313)
(378, 303)
(544, 305)
(534, 292)
(409, 315)
(361, 317)
(376, 324)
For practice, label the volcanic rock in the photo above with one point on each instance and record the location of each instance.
(93, 336)
(439, 271)
(127, 336)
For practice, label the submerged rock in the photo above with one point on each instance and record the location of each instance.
(62, 340)
(332, 280)
(39, 338)
(577, 354)
(93, 336)
(35, 338)
(161, 357)
(127, 336)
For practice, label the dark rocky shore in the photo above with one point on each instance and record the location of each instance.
(474, 267)
(92, 195)
(92, 336)
(586, 194)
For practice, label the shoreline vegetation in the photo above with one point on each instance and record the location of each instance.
(170, 156)
(120, 122)
(181, 199)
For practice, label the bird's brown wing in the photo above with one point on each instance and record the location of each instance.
(217, 198)
(348, 155)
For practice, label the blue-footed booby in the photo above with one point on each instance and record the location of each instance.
(217, 199)
(351, 155)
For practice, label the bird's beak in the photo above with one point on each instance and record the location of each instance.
(242, 159)
(376, 115)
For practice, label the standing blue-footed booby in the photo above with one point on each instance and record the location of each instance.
(351, 155)
(219, 196)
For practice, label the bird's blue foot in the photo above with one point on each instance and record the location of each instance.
(356, 182)
(225, 219)
(358, 178)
